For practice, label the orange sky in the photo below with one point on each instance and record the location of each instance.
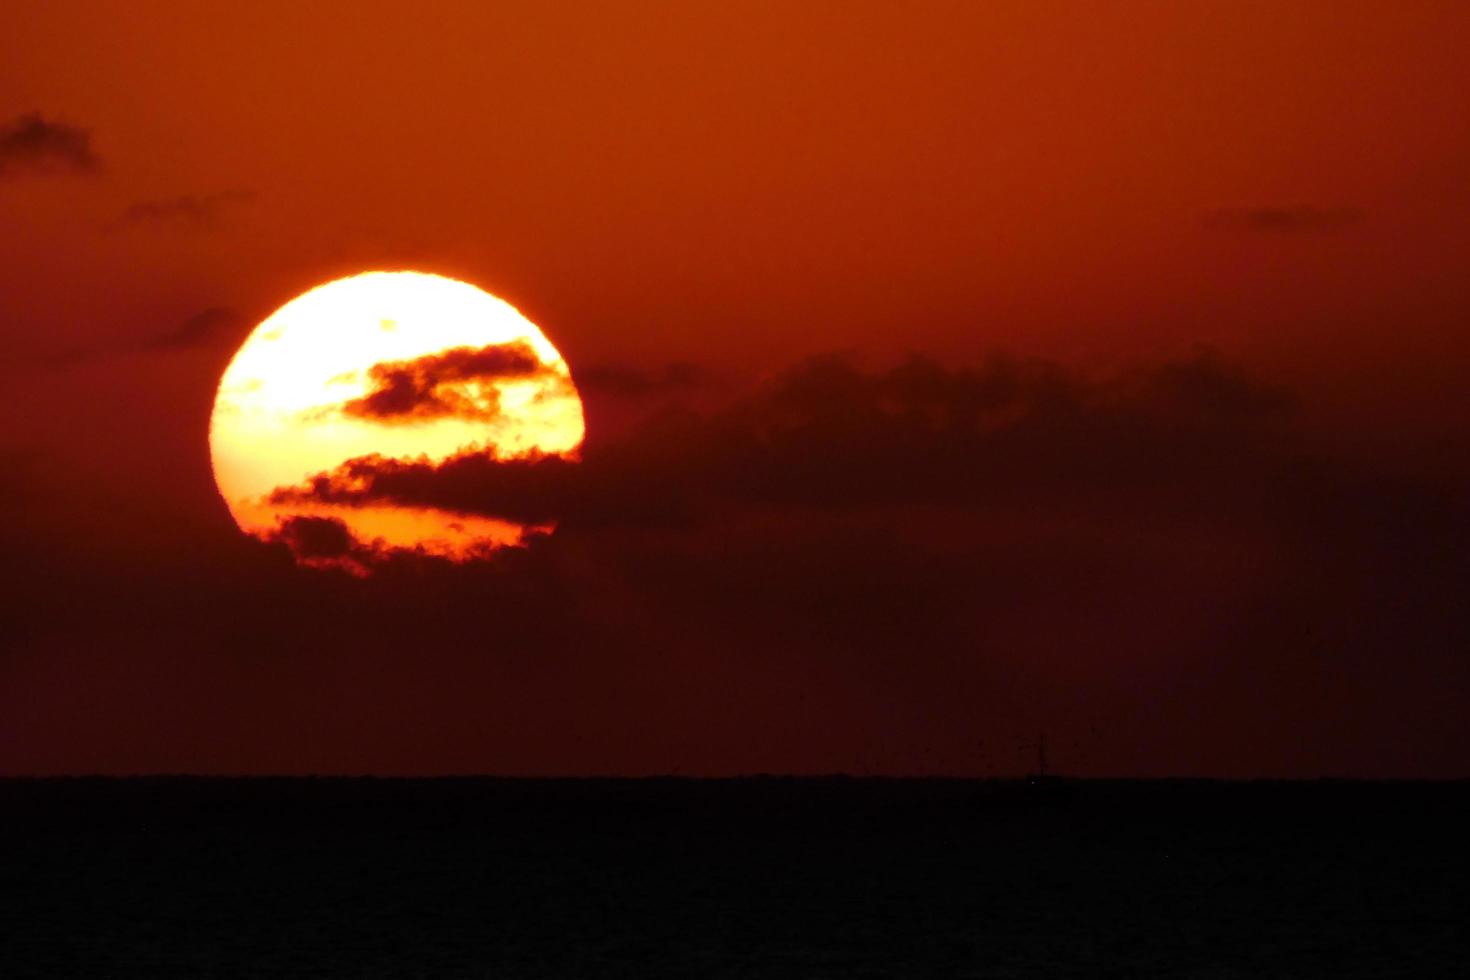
(732, 186)
(756, 180)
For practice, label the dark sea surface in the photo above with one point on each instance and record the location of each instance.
(735, 878)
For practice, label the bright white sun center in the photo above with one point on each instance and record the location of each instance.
(401, 365)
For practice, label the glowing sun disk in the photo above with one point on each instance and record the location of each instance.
(401, 365)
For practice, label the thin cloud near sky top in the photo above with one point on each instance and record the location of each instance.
(31, 145)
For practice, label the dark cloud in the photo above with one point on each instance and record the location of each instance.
(530, 491)
(440, 385)
(622, 381)
(63, 359)
(204, 328)
(207, 328)
(317, 537)
(191, 212)
(326, 543)
(1283, 219)
(1205, 388)
(30, 145)
(828, 434)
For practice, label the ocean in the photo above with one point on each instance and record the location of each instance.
(757, 877)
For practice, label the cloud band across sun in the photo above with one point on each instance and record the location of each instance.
(460, 382)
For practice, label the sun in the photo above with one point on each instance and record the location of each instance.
(403, 366)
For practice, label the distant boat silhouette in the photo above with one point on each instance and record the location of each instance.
(1043, 782)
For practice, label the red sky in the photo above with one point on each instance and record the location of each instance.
(1209, 516)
